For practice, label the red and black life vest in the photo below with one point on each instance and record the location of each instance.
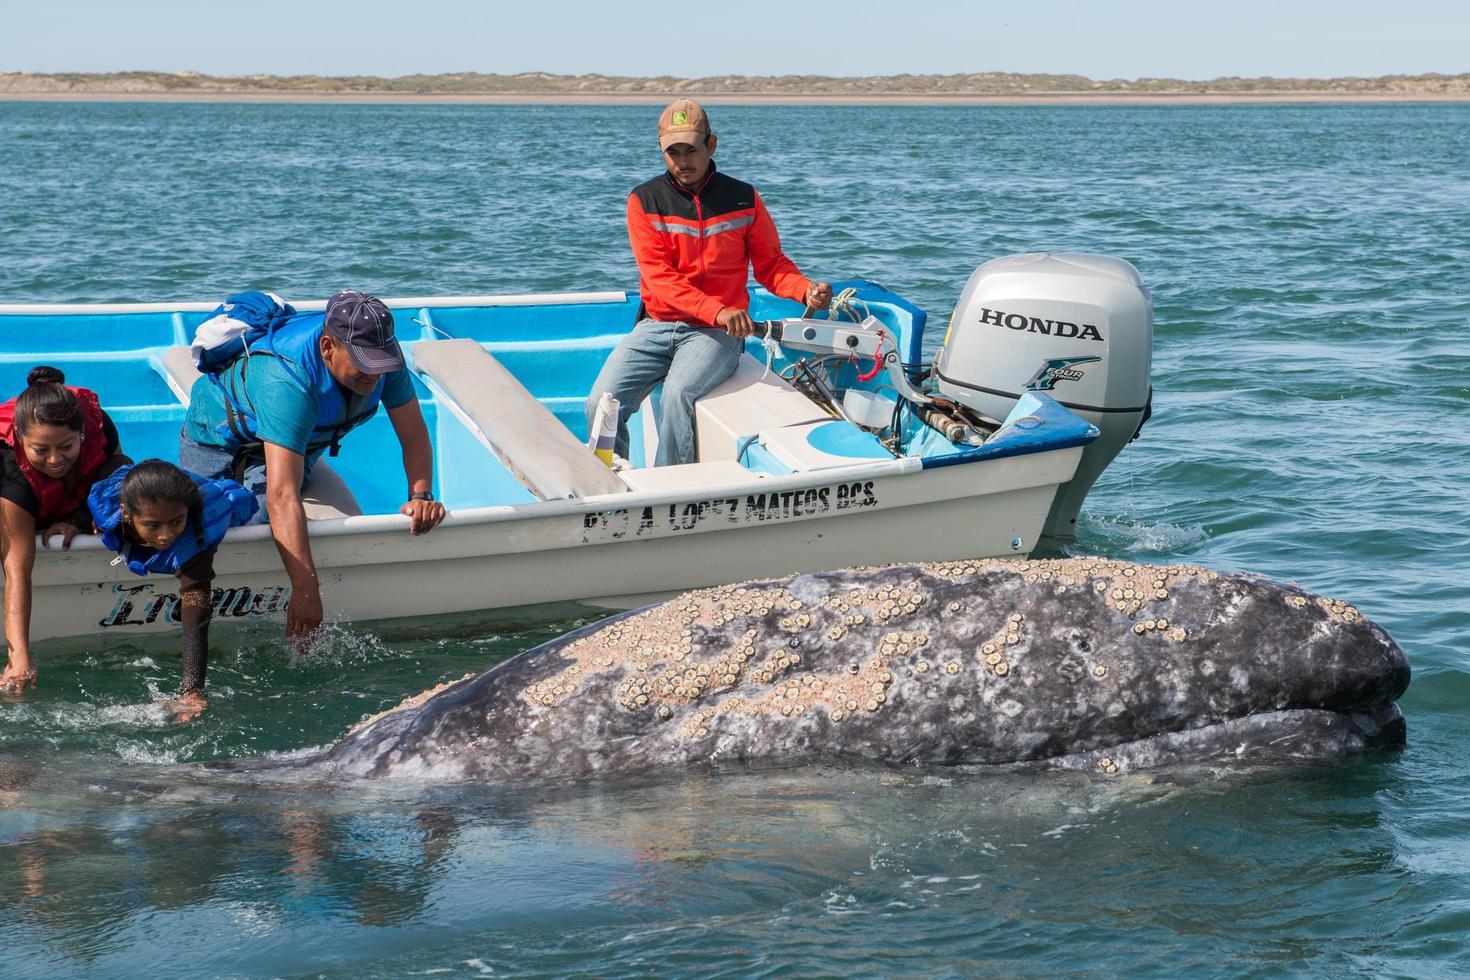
(51, 494)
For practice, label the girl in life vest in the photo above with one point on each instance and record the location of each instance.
(168, 521)
(55, 442)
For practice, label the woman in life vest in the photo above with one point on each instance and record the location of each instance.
(164, 520)
(55, 442)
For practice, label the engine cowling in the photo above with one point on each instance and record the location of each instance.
(1075, 325)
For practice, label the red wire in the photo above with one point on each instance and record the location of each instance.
(877, 361)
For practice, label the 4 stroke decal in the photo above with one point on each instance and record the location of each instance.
(1057, 369)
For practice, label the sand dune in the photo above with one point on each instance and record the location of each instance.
(538, 86)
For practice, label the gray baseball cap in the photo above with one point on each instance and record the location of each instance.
(363, 323)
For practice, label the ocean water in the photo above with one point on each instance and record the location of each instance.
(1311, 275)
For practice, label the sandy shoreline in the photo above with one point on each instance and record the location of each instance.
(1060, 98)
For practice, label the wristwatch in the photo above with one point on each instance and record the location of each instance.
(421, 495)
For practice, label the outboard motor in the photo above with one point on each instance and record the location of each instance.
(1075, 325)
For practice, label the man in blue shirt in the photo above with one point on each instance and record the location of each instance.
(269, 416)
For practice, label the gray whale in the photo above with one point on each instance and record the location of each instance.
(1079, 663)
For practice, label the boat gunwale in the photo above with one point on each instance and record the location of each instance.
(316, 305)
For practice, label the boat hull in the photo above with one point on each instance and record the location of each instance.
(615, 552)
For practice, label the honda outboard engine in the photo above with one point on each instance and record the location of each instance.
(1077, 326)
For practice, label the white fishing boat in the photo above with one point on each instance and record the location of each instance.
(831, 446)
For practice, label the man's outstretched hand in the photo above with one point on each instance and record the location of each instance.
(303, 618)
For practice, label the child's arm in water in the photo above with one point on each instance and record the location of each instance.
(196, 594)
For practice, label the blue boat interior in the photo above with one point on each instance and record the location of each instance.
(554, 350)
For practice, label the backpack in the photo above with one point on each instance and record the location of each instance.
(234, 325)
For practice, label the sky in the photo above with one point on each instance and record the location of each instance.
(1097, 38)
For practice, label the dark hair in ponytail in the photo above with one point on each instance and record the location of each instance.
(45, 374)
(47, 401)
(154, 479)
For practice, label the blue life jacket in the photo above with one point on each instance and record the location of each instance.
(234, 324)
(297, 343)
(226, 505)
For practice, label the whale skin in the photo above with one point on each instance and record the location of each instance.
(1075, 663)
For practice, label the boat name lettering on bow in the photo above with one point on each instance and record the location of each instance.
(1035, 324)
(142, 605)
(614, 525)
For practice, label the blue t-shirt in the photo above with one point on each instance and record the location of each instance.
(285, 412)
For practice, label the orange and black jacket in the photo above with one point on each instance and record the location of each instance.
(695, 249)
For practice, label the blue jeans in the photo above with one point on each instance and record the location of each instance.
(216, 461)
(690, 361)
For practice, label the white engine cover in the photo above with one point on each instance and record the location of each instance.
(1075, 325)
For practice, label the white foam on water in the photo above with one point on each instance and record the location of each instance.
(133, 715)
(1059, 831)
(290, 755)
(149, 755)
(1121, 536)
(337, 643)
(843, 904)
(90, 717)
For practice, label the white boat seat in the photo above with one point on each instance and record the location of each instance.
(179, 371)
(325, 495)
(744, 404)
(521, 432)
(821, 445)
(692, 478)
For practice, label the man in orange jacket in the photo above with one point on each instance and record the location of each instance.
(696, 234)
